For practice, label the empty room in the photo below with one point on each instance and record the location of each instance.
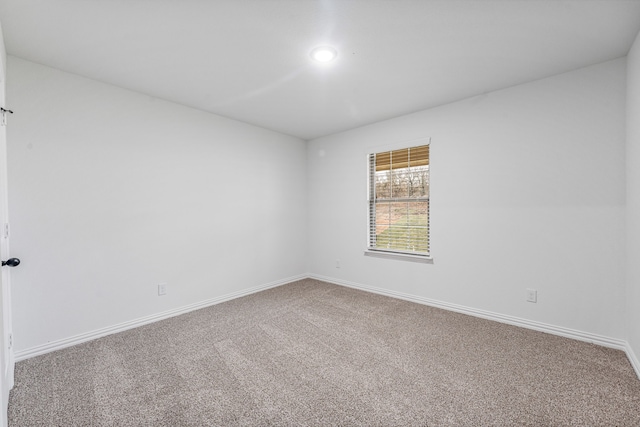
(320, 213)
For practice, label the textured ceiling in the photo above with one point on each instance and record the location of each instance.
(249, 59)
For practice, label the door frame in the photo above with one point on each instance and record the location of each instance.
(7, 358)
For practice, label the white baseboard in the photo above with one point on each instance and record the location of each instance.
(88, 336)
(502, 318)
(512, 320)
(633, 359)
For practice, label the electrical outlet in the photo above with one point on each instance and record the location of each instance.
(337, 263)
(10, 341)
(532, 295)
(162, 289)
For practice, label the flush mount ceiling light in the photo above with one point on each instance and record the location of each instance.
(324, 54)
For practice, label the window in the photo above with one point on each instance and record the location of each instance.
(399, 201)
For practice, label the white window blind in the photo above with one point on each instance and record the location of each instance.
(399, 201)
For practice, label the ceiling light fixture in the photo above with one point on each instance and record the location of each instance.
(324, 54)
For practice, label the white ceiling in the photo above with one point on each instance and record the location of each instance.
(249, 59)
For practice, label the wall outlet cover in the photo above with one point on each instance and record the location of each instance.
(532, 295)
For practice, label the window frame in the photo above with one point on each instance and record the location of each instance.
(387, 253)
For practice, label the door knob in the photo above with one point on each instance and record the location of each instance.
(11, 262)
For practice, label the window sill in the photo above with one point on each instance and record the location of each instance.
(399, 256)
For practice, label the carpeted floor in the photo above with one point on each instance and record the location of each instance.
(315, 354)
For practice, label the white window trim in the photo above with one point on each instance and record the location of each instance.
(396, 255)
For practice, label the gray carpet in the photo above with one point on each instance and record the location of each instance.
(315, 354)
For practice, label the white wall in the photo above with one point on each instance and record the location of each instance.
(528, 191)
(633, 200)
(113, 192)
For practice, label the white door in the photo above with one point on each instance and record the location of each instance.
(6, 339)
